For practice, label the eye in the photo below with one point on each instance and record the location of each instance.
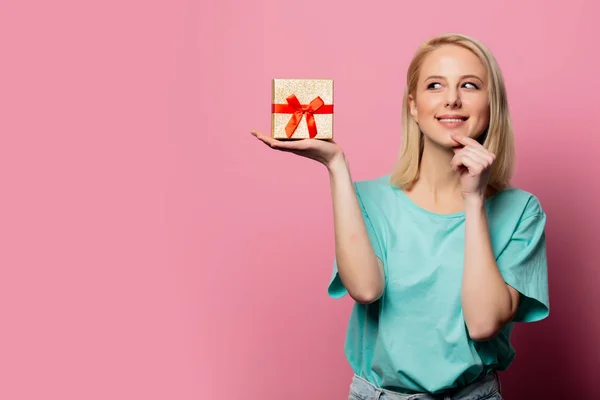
(432, 85)
(471, 85)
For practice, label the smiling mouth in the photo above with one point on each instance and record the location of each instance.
(452, 120)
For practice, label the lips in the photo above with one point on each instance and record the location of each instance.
(452, 121)
(452, 117)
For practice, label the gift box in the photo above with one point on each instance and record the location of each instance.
(302, 109)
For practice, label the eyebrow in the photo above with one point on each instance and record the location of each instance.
(462, 77)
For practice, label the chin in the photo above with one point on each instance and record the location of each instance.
(443, 140)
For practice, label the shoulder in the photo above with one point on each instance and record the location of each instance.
(375, 193)
(517, 201)
(515, 210)
(376, 187)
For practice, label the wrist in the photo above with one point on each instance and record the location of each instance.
(474, 203)
(337, 162)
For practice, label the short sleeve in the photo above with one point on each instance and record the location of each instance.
(336, 288)
(523, 265)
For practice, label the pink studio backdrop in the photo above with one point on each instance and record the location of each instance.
(152, 249)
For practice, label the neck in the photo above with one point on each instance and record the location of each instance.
(435, 173)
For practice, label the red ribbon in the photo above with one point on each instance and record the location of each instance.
(293, 106)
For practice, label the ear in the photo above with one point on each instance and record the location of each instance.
(413, 107)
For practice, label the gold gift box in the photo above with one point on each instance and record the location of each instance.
(302, 109)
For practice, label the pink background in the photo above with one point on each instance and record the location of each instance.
(151, 248)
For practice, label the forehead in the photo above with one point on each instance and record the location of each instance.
(452, 62)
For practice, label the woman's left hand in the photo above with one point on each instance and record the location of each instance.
(474, 163)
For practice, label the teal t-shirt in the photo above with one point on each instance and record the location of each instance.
(414, 338)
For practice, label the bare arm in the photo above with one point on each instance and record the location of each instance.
(359, 268)
(488, 302)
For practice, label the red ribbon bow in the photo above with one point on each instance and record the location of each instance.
(316, 106)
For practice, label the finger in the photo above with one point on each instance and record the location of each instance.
(484, 158)
(301, 144)
(474, 146)
(475, 167)
(259, 134)
(465, 140)
(268, 140)
(277, 144)
(458, 153)
(483, 152)
(456, 161)
(460, 159)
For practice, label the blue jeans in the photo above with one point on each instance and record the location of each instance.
(486, 388)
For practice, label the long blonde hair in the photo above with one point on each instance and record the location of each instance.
(499, 138)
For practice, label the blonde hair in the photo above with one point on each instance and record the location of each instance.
(499, 138)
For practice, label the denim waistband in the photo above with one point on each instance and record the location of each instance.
(482, 388)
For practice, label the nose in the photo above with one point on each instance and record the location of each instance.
(453, 99)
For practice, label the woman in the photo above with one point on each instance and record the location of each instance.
(442, 256)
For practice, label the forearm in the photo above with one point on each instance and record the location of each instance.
(357, 264)
(486, 300)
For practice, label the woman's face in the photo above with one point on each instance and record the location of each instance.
(451, 95)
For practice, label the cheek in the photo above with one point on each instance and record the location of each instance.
(480, 110)
(484, 115)
(480, 123)
(427, 106)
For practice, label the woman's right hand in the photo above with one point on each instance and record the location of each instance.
(327, 152)
(359, 268)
